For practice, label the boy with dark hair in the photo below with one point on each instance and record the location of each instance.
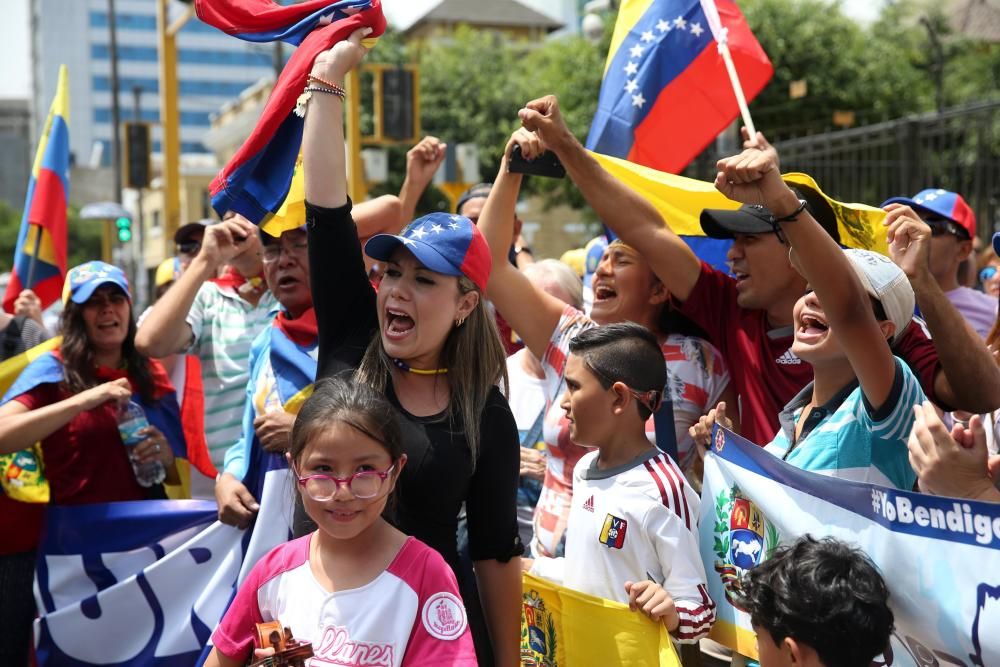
(632, 525)
(818, 603)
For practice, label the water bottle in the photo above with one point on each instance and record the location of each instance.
(131, 420)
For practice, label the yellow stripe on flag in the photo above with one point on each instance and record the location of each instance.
(292, 213)
(628, 15)
(570, 629)
(60, 107)
(11, 368)
(681, 200)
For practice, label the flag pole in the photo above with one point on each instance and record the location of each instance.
(34, 257)
(721, 35)
(734, 79)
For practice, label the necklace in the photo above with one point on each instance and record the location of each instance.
(402, 365)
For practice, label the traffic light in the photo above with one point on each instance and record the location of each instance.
(397, 104)
(137, 155)
(124, 226)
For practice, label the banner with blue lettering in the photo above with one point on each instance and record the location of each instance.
(940, 556)
(146, 582)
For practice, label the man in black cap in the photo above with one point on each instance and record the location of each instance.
(471, 204)
(748, 315)
(188, 238)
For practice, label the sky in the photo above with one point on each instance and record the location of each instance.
(15, 72)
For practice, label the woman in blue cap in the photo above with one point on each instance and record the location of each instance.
(67, 400)
(427, 342)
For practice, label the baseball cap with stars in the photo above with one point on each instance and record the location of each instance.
(444, 243)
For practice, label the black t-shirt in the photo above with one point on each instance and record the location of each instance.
(439, 474)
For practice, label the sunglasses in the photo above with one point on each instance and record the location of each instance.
(188, 247)
(987, 273)
(942, 226)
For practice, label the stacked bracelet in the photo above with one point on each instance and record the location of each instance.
(303, 101)
(329, 84)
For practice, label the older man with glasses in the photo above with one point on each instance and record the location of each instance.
(953, 228)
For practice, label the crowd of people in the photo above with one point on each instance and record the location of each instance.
(456, 413)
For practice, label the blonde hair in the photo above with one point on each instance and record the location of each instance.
(474, 357)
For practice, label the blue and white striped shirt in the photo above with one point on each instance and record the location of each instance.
(848, 438)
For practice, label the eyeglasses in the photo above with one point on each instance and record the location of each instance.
(188, 247)
(987, 273)
(362, 485)
(272, 252)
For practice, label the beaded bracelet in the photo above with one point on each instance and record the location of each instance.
(303, 101)
(328, 84)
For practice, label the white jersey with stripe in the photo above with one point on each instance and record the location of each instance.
(636, 522)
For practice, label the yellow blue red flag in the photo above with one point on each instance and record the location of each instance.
(40, 254)
(666, 93)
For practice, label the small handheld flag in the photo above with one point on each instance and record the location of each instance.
(40, 254)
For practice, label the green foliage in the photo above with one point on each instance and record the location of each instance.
(473, 83)
(84, 237)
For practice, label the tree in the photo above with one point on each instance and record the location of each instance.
(84, 237)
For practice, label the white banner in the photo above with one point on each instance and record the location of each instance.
(939, 556)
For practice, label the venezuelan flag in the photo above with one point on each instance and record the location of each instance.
(40, 255)
(666, 93)
(256, 180)
(681, 200)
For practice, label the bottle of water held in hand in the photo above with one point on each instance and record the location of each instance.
(131, 420)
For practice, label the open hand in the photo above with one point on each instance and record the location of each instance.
(952, 464)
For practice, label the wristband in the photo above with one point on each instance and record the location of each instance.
(791, 216)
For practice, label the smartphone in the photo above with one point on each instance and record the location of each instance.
(546, 164)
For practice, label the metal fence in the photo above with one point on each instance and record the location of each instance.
(958, 150)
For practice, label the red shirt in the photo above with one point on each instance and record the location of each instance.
(85, 462)
(762, 368)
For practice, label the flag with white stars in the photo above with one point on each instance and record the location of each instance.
(666, 94)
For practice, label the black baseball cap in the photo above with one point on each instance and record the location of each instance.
(751, 219)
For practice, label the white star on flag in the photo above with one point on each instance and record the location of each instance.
(696, 29)
(636, 51)
(631, 68)
(679, 22)
(419, 233)
(638, 100)
(647, 36)
(663, 26)
(456, 218)
(453, 226)
(931, 196)
(407, 241)
(631, 86)
(437, 229)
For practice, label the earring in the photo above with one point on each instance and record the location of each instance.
(459, 322)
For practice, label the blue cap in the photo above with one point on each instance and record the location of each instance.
(83, 280)
(444, 243)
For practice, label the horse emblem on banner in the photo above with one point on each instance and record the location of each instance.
(743, 539)
(538, 632)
